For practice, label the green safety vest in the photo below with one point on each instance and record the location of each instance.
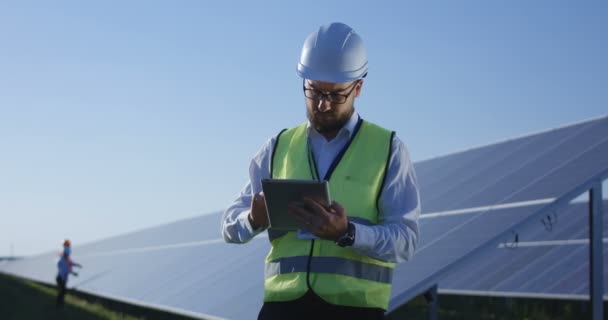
(338, 275)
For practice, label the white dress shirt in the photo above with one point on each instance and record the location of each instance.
(395, 236)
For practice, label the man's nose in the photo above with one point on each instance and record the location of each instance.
(324, 105)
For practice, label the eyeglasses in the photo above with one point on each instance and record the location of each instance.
(332, 97)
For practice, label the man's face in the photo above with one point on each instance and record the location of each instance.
(329, 117)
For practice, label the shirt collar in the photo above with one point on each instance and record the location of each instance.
(348, 128)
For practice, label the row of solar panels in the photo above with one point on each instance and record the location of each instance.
(472, 202)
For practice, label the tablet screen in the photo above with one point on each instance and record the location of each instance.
(280, 192)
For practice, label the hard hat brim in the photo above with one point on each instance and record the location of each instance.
(333, 77)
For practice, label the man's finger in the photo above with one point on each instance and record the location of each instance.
(316, 207)
(300, 212)
(337, 208)
(302, 216)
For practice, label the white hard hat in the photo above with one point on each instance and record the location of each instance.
(334, 53)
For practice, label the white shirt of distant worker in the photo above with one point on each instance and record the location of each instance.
(340, 262)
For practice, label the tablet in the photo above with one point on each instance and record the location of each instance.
(280, 192)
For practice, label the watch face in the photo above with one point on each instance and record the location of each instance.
(348, 238)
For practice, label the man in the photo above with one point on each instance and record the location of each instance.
(341, 264)
(65, 268)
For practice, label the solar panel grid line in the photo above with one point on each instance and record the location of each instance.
(486, 208)
(572, 219)
(585, 167)
(434, 228)
(185, 230)
(456, 228)
(554, 268)
(211, 280)
(523, 136)
(169, 276)
(571, 276)
(224, 280)
(511, 268)
(215, 267)
(165, 247)
(583, 287)
(569, 220)
(456, 175)
(213, 277)
(509, 294)
(169, 298)
(455, 165)
(472, 275)
(154, 248)
(455, 278)
(605, 273)
(484, 174)
(548, 243)
(506, 166)
(534, 267)
(457, 157)
(535, 274)
(551, 154)
(583, 164)
(569, 226)
(540, 254)
(134, 272)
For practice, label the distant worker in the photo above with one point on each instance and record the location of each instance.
(339, 266)
(64, 266)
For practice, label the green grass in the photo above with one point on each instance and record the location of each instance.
(25, 300)
(493, 308)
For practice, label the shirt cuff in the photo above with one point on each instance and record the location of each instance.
(246, 225)
(364, 237)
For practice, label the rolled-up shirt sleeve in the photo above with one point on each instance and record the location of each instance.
(235, 227)
(396, 235)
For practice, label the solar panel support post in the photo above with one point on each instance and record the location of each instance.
(434, 303)
(596, 280)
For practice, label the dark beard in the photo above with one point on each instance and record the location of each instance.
(328, 127)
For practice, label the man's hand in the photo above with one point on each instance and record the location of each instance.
(257, 215)
(326, 223)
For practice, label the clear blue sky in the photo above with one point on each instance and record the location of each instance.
(119, 115)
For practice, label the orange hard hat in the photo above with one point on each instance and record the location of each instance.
(67, 243)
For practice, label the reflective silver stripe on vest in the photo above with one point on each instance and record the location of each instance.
(347, 267)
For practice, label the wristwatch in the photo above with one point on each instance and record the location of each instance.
(348, 238)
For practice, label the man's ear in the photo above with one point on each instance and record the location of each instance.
(358, 87)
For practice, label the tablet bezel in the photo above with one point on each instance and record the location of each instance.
(279, 192)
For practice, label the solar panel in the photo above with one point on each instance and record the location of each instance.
(550, 260)
(471, 202)
(496, 175)
(556, 167)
